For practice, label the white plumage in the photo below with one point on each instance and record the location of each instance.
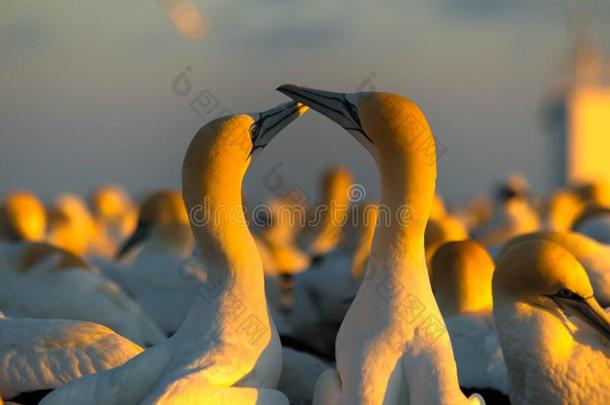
(42, 282)
(45, 354)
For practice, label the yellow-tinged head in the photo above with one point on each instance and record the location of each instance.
(460, 275)
(545, 276)
(562, 209)
(71, 225)
(380, 121)
(163, 209)
(23, 217)
(396, 133)
(335, 184)
(442, 230)
(110, 202)
(216, 161)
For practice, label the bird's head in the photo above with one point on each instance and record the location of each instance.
(544, 275)
(164, 208)
(370, 117)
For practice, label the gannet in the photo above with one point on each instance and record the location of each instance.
(392, 347)
(227, 350)
(441, 230)
(594, 257)
(323, 294)
(460, 274)
(162, 278)
(279, 239)
(322, 233)
(116, 216)
(40, 354)
(22, 218)
(281, 259)
(67, 287)
(596, 227)
(596, 191)
(561, 210)
(514, 216)
(300, 372)
(551, 358)
(477, 212)
(71, 225)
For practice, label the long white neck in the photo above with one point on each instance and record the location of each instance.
(532, 339)
(212, 195)
(407, 187)
(407, 166)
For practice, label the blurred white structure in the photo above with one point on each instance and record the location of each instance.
(580, 118)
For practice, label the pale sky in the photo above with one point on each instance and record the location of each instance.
(86, 87)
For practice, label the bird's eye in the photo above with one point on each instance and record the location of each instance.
(565, 293)
(353, 110)
(253, 130)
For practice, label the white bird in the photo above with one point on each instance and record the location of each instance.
(392, 347)
(561, 210)
(461, 274)
(513, 217)
(596, 227)
(163, 276)
(300, 372)
(40, 354)
(116, 218)
(66, 287)
(441, 230)
(551, 358)
(278, 238)
(227, 350)
(323, 294)
(22, 218)
(594, 257)
(322, 231)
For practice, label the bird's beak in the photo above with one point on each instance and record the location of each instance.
(335, 106)
(589, 311)
(141, 233)
(269, 123)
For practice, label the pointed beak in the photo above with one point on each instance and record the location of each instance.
(589, 311)
(334, 106)
(141, 233)
(269, 123)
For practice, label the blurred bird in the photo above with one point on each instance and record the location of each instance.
(66, 287)
(323, 294)
(322, 232)
(164, 275)
(461, 274)
(38, 355)
(227, 350)
(115, 214)
(279, 239)
(515, 215)
(441, 230)
(381, 356)
(551, 358)
(22, 218)
(300, 372)
(562, 210)
(71, 225)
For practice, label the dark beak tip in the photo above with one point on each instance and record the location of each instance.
(285, 88)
